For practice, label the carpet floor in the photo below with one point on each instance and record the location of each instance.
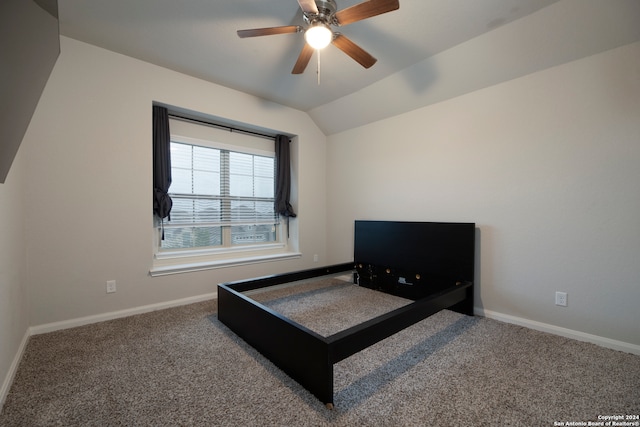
(182, 367)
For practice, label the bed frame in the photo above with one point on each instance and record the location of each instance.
(427, 262)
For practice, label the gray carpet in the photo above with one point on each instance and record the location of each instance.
(181, 366)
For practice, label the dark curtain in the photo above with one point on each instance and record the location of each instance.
(283, 177)
(162, 203)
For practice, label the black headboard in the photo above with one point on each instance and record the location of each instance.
(414, 259)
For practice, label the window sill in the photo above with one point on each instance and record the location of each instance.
(177, 266)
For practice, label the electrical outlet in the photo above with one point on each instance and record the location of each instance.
(111, 286)
(561, 299)
(315, 258)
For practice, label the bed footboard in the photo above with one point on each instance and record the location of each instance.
(298, 351)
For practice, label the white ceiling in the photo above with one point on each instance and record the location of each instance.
(427, 51)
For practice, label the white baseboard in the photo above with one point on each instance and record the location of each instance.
(72, 323)
(531, 324)
(8, 380)
(65, 324)
(564, 332)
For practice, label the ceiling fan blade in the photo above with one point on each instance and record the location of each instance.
(308, 6)
(303, 59)
(361, 56)
(255, 32)
(365, 10)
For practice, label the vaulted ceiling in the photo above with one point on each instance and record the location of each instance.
(427, 50)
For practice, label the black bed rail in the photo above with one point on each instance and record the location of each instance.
(303, 354)
(277, 279)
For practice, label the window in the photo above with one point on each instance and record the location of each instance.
(221, 198)
(223, 191)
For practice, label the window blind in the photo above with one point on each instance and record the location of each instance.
(214, 187)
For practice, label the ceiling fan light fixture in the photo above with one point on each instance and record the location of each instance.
(319, 35)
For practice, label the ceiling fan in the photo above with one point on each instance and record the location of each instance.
(320, 15)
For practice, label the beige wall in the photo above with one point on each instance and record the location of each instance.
(14, 305)
(546, 166)
(88, 189)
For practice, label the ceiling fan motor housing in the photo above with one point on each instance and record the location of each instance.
(326, 12)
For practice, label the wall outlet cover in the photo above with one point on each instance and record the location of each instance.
(561, 299)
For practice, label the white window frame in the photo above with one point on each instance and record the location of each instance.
(168, 261)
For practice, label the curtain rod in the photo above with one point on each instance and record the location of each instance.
(224, 127)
